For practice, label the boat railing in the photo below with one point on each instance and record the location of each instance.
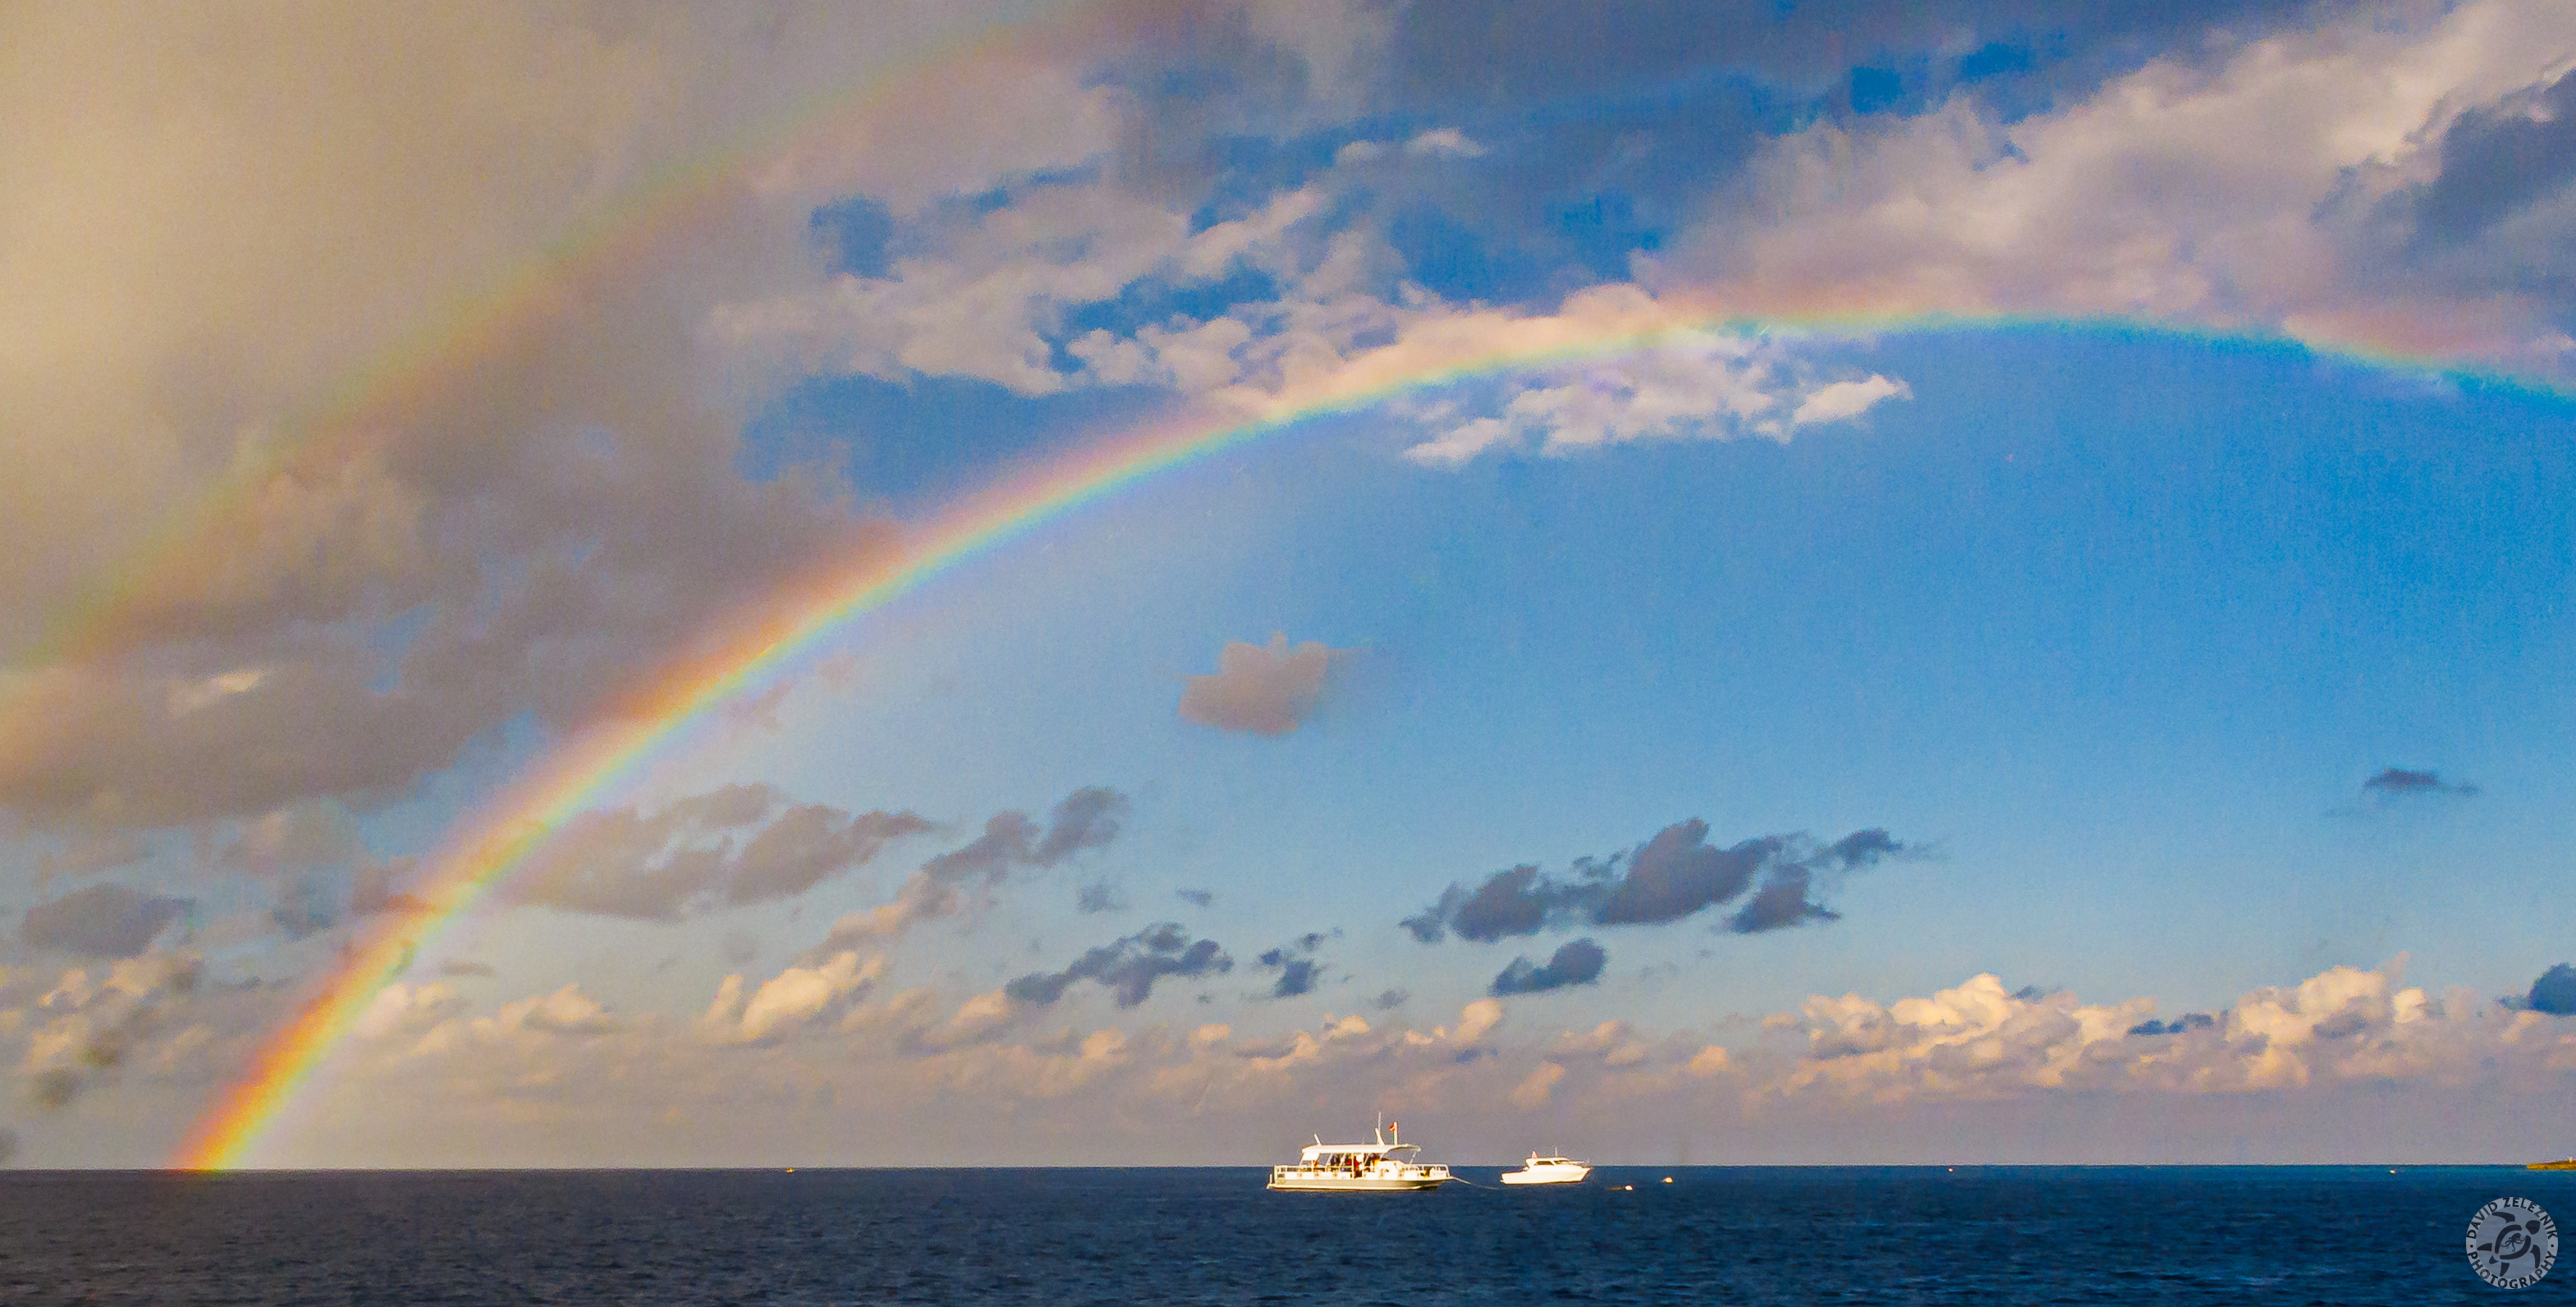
(1401, 1168)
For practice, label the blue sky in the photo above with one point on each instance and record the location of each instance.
(1995, 476)
(2127, 677)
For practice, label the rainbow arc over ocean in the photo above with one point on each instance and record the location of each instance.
(483, 853)
(765, 644)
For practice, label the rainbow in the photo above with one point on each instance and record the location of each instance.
(494, 318)
(482, 854)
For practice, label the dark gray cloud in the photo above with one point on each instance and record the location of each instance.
(1576, 962)
(2498, 159)
(1671, 876)
(1782, 902)
(105, 921)
(1295, 962)
(1129, 966)
(1862, 847)
(1197, 898)
(737, 845)
(1392, 999)
(2399, 782)
(1296, 976)
(1512, 902)
(1677, 873)
(2188, 1021)
(2554, 993)
(1098, 896)
(1085, 819)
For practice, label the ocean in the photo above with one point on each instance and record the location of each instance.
(1980, 1235)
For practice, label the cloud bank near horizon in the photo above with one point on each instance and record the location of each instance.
(147, 1027)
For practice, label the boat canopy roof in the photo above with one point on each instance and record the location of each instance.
(1312, 1151)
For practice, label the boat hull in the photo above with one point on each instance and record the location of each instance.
(1357, 1184)
(1554, 1175)
(1361, 1184)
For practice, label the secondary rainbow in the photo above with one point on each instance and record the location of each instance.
(490, 317)
(483, 852)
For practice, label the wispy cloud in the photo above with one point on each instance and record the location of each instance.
(945, 885)
(1690, 383)
(732, 846)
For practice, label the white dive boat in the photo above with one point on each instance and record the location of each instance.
(1383, 1166)
(1548, 1170)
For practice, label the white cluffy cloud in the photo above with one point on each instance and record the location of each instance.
(1838, 400)
(2343, 1026)
(988, 303)
(790, 1001)
(1693, 383)
(2235, 184)
(1435, 143)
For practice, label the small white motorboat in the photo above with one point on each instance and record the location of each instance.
(1548, 1170)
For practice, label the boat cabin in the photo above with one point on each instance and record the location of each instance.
(1383, 1163)
(1320, 1153)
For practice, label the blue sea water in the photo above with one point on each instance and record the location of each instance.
(1983, 1235)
